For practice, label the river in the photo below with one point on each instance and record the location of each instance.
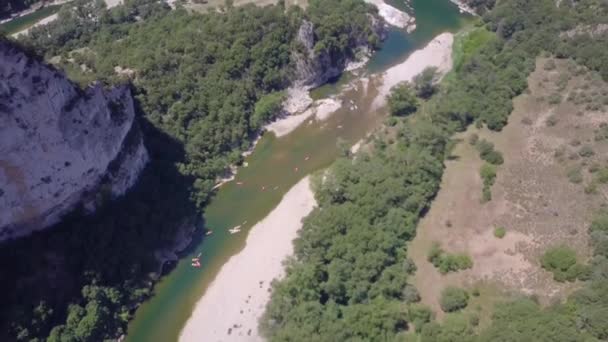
(272, 166)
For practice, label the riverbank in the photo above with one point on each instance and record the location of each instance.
(41, 18)
(437, 53)
(276, 165)
(242, 287)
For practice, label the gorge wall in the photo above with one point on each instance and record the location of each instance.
(60, 146)
(315, 68)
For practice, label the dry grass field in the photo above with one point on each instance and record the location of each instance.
(543, 196)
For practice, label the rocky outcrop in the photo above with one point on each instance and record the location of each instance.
(60, 146)
(394, 16)
(313, 68)
(593, 31)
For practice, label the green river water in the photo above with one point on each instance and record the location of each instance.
(272, 165)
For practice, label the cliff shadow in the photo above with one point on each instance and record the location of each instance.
(111, 249)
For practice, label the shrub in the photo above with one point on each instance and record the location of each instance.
(488, 175)
(494, 157)
(586, 151)
(488, 153)
(551, 120)
(601, 176)
(445, 262)
(410, 294)
(554, 99)
(391, 121)
(473, 139)
(453, 299)
(424, 83)
(559, 152)
(402, 101)
(602, 132)
(486, 195)
(474, 319)
(594, 167)
(561, 261)
(591, 188)
(434, 253)
(574, 175)
(500, 232)
(484, 147)
(419, 315)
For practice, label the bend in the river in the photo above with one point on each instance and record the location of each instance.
(272, 167)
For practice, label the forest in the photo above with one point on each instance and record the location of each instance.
(348, 277)
(200, 102)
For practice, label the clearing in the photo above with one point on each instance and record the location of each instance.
(543, 196)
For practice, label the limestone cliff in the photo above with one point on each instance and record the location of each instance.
(314, 68)
(59, 145)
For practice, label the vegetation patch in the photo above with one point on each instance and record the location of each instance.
(488, 175)
(488, 153)
(562, 262)
(402, 100)
(500, 232)
(446, 262)
(453, 299)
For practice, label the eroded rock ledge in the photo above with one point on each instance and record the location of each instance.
(60, 146)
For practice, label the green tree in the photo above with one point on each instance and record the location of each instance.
(453, 299)
(401, 100)
(424, 82)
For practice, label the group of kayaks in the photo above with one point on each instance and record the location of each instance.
(295, 169)
(196, 262)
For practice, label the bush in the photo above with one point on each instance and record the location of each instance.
(487, 152)
(554, 99)
(561, 261)
(445, 262)
(474, 319)
(419, 315)
(602, 132)
(591, 188)
(574, 175)
(601, 176)
(453, 299)
(488, 175)
(424, 83)
(500, 232)
(551, 120)
(473, 139)
(402, 101)
(586, 151)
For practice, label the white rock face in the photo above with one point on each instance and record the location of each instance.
(59, 145)
(393, 16)
(313, 69)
